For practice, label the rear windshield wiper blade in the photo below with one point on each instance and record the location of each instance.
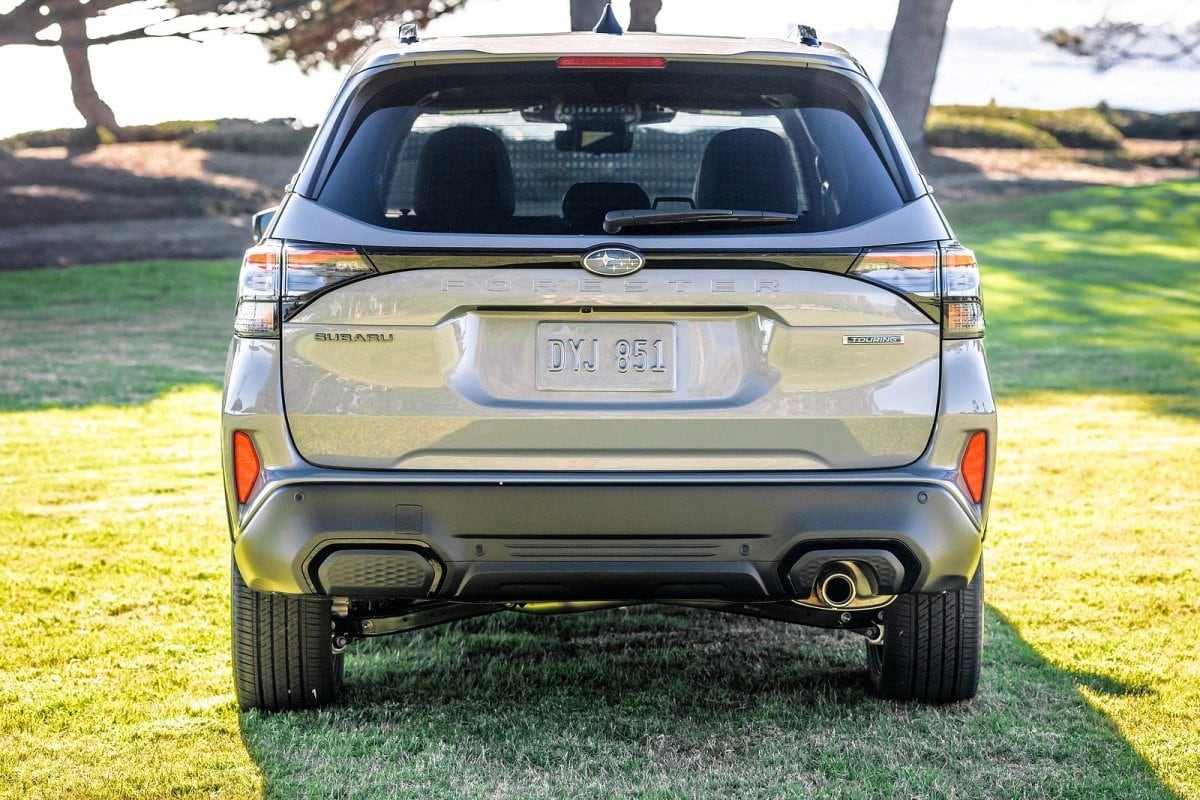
(615, 221)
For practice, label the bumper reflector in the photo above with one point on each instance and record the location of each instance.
(246, 466)
(974, 465)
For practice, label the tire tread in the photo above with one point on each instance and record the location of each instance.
(932, 646)
(282, 651)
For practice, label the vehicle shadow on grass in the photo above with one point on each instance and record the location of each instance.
(677, 703)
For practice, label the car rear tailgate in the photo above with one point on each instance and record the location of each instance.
(511, 368)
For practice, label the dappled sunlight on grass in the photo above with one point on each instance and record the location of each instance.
(1094, 291)
(1094, 340)
(677, 703)
(128, 675)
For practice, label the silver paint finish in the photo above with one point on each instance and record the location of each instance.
(253, 401)
(273, 555)
(966, 406)
(762, 379)
(494, 48)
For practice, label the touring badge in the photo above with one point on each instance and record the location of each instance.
(874, 338)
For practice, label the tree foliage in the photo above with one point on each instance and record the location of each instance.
(313, 32)
(309, 31)
(32, 22)
(1110, 43)
(64, 24)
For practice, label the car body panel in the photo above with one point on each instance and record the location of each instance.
(279, 531)
(439, 369)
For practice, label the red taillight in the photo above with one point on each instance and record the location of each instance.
(611, 62)
(246, 466)
(973, 467)
(307, 270)
(312, 269)
(258, 293)
(911, 270)
(962, 302)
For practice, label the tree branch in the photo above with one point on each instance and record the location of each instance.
(1111, 43)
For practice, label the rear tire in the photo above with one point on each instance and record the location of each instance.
(932, 646)
(283, 655)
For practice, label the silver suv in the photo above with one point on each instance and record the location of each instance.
(579, 321)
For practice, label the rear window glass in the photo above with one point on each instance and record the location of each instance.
(532, 149)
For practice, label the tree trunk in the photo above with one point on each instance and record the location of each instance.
(643, 15)
(586, 13)
(95, 111)
(912, 60)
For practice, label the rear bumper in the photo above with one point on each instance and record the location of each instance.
(523, 538)
(572, 535)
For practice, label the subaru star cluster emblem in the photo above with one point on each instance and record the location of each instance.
(613, 261)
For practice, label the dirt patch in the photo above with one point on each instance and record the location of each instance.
(152, 200)
(979, 174)
(131, 202)
(107, 242)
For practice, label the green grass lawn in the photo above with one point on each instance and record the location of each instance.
(115, 656)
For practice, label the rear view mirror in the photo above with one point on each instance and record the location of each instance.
(578, 140)
(261, 221)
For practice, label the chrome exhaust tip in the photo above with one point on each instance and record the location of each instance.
(839, 589)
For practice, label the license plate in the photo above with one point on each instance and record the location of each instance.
(606, 357)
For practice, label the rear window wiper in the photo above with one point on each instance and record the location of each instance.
(615, 221)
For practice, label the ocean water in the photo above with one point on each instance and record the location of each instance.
(1013, 67)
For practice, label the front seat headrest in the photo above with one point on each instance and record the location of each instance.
(464, 181)
(747, 169)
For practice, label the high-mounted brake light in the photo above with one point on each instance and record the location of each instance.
(611, 62)
(246, 466)
(973, 466)
(962, 301)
